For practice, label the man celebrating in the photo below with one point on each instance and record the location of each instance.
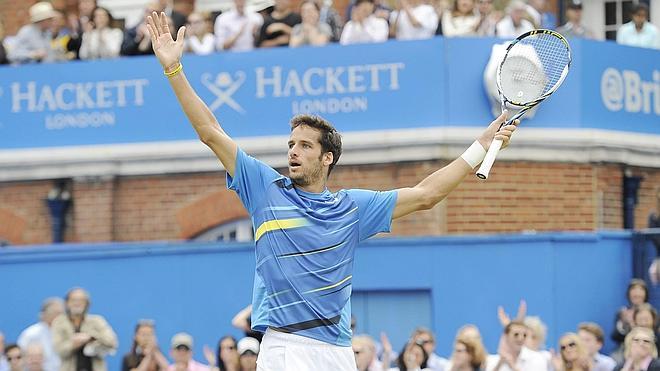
(305, 235)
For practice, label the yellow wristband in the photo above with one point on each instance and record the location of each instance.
(178, 69)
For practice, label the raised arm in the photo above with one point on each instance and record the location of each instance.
(208, 129)
(435, 187)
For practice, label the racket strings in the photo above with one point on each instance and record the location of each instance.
(533, 67)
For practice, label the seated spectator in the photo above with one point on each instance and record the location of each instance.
(329, 16)
(199, 39)
(136, 39)
(592, 337)
(32, 42)
(40, 332)
(381, 10)
(182, 354)
(514, 23)
(79, 24)
(248, 350)
(3, 51)
(468, 355)
(573, 26)
(277, 27)
(82, 339)
(415, 20)
(637, 294)
(572, 355)
(103, 40)
(364, 350)
(639, 31)
(34, 357)
(235, 29)
(462, 20)
(488, 18)
(144, 354)
(364, 27)
(426, 339)
(640, 353)
(542, 18)
(513, 354)
(413, 357)
(311, 31)
(227, 354)
(14, 357)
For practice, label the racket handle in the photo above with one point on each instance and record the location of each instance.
(487, 164)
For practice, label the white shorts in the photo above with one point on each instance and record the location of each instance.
(280, 351)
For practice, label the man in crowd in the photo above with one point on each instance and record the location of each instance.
(639, 31)
(592, 338)
(235, 29)
(40, 333)
(32, 42)
(512, 352)
(573, 26)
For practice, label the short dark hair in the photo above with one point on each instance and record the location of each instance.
(10, 347)
(358, 2)
(330, 138)
(640, 7)
(594, 330)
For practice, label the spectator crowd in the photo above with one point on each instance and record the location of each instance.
(93, 33)
(68, 337)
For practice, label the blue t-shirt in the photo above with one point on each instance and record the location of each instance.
(305, 243)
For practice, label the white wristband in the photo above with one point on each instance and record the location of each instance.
(474, 154)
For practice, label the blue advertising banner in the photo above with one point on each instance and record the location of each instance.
(393, 85)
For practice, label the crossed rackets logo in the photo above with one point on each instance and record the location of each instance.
(223, 87)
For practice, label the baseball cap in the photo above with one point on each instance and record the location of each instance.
(182, 339)
(248, 344)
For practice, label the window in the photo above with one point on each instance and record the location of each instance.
(617, 12)
(237, 231)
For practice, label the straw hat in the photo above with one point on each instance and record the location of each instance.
(41, 11)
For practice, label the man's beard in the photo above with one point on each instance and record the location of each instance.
(308, 176)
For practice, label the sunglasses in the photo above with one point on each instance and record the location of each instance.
(569, 345)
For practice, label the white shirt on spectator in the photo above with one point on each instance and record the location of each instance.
(437, 363)
(460, 25)
(204, 46)
(371, 30)
(603, 363)
(105, 43)
(40, 333)
(425, 15)
(230, 23)
(505, 28)
(528, 360)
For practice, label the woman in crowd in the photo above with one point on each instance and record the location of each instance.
(101, 40)
(468, 355)
(637, 294)
(639, 351)
(462, 20)
(227, 354)
(412, 358)
(310, 31)
(199, 38)
(144, 354)
(572, 355)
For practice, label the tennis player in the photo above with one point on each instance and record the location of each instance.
(305, 235)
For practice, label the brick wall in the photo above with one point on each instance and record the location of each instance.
(519, 196)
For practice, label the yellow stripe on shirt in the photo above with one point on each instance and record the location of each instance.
(331, 286)
(272, 225)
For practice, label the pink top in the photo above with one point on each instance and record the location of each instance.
(192, 366)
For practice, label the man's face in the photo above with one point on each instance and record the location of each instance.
(248, 361)
(516, 337)
(239, 4)
(34, 357)
(306, 163)
(181, 354)
(52, 312)
(574, 15)
(77, 303)
(590, 342)
(14, 358)
(640, 18)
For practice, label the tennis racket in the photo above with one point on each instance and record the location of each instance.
(534, 66)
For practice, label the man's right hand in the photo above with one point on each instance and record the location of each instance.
(167, 50)
(80, 338)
